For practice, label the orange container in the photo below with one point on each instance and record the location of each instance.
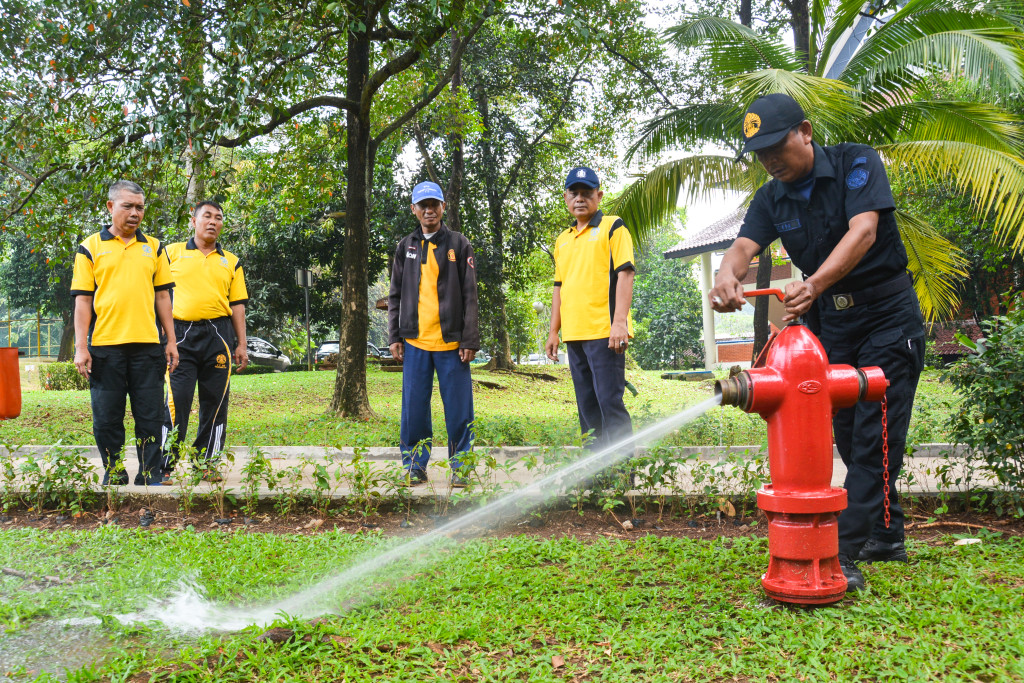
(10, 384)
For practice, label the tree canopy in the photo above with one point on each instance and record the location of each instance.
(973, 147)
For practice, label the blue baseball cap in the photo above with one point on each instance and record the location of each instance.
(581, 175)
(427, 190)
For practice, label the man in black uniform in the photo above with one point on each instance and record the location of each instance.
(833, 210)
(209, 322)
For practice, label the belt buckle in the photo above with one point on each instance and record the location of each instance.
(842, 301)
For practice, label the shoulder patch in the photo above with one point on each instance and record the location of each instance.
(857, 178)
(859, 161)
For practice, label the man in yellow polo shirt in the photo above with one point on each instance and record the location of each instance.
(122, 276)
(209, 323)
(590, 305)
(432, 322)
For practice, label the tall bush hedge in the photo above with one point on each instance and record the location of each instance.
(991, 423)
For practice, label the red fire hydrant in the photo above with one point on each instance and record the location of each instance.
(793, 387)
(10, 384)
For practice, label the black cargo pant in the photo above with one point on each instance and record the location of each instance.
(135, 371)
(204, 359)
(888, 334)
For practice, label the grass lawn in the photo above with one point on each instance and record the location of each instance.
(291, 409)
(520, 608)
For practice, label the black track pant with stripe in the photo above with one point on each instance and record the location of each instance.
(204, 350)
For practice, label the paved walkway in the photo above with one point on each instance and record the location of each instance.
(299, 463)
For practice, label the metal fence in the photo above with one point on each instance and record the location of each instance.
(37, 337)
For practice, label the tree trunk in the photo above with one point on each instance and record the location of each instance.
(501, 355)
(800, 20)
(192, 47)
(764, 280)
(454, 194)
(66, 351)
(746, 17)
(350, 398)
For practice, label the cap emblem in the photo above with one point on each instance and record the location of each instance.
(581, 173)
(751, 124)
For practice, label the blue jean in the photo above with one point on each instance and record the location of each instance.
(456, 385)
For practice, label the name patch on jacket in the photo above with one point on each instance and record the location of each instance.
(786, 226)
(410, 252)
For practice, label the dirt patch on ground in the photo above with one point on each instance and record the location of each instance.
(161, 515)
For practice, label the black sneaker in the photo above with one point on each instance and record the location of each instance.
(414, 477)
(459, 481)
(854, 579)
(880, 551)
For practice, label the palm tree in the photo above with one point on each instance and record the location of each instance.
(975, 148)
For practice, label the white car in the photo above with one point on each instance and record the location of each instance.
(262, 352)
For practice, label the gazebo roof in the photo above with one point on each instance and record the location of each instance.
(719, 235)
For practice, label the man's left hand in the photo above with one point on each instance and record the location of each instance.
(241, 357)
(799, 297)
(171, 351)
(467, 355)
(618, 340)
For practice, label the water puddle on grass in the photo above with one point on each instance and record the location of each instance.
(50, 647)
(190, 612)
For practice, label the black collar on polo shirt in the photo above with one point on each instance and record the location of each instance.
(105, 234)
(595, 220)
(823, 168)
(191, 244)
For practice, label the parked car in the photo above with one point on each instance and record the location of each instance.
(381, 352)
(328, 347)
(262, 352)
(324, 350)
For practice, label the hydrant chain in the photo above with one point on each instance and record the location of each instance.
(885, 462)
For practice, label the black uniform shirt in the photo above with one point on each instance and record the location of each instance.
(849, 179)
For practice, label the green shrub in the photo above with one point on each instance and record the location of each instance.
(62, 377)
(500, 430)
(991, 421)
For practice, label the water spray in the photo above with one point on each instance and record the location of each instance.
(190, 611)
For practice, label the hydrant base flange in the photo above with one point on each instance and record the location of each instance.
(832, 499)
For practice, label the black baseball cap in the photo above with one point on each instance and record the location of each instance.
(768, 120)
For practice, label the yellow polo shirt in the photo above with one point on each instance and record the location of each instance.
(429, 310)
(587, 264)
(206, 285)
(122, 280)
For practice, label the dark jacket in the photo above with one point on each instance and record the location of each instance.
(456, 288)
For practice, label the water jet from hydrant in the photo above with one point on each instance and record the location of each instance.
(189, 611)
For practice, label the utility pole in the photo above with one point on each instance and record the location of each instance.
(304, 279)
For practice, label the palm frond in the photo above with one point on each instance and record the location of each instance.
(936, 264)
(930, 36)
(650, 200)
(733, 48)
(837, 18)
(831, 105)
(973, 123)
(993, 179)
(688, 125)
